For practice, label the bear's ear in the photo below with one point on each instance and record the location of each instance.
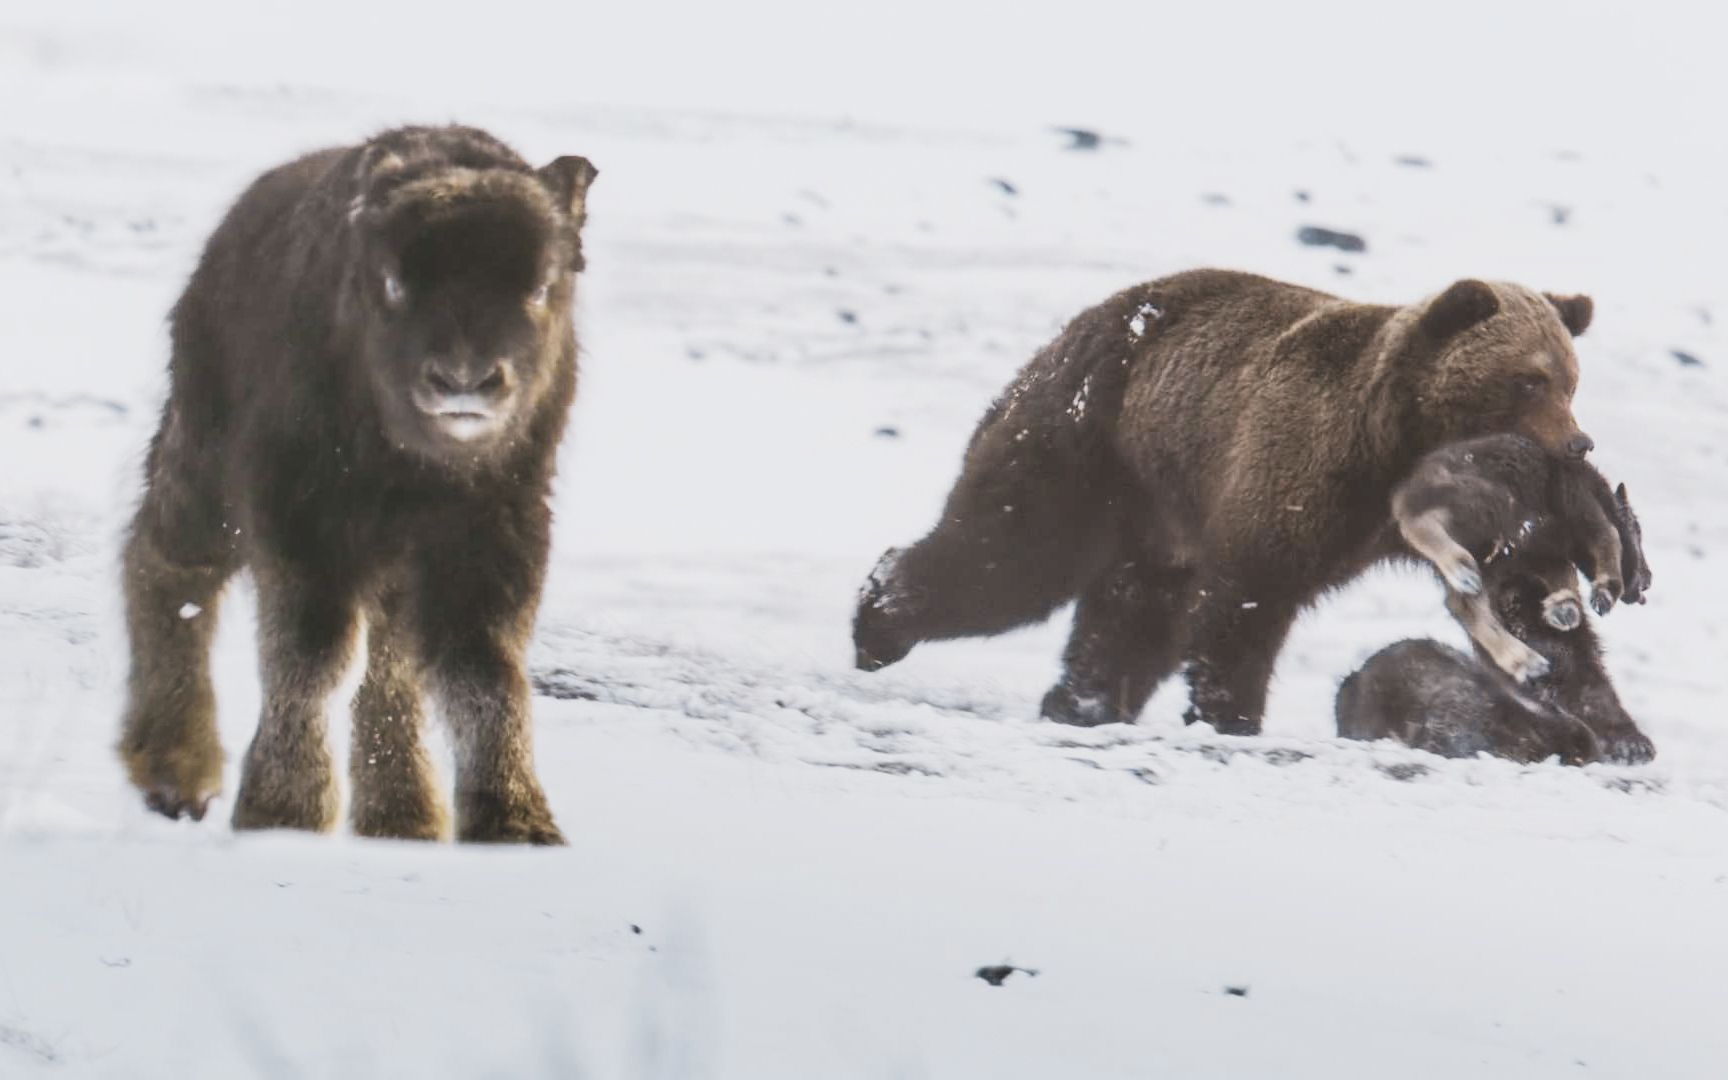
(1460, 307)
(1575, 311)
(567, 179)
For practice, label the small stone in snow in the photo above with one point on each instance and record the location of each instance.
(1081, 138)
(887, 431)
(190, 611)
(1317, 236)
(1686, 359)
(850, 318)
(996, 974)
(1236, 991)
(1005, 186)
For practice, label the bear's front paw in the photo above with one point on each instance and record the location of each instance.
(1627, 746)
(1064, 706)
(877, 639)
(1575, 744)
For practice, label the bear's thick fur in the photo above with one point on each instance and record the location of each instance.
(1196, 459)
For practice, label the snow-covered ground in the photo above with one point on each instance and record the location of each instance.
(817, 248)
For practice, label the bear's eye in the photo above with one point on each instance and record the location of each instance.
(1530, 385)
(542, 294)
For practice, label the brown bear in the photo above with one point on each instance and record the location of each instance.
(1198, 458)
(371, 370)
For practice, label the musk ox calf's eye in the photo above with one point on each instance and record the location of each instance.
(394, 292)
(542, 294)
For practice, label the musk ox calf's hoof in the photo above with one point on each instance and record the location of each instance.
(1562, 610)
(1604, 594)
(175, 783)
(488, 818)
(1063, 706)
(175, 805)
(287, 786)
(1572, 742)
(1520, 661)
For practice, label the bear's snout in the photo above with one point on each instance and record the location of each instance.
(1579, 445)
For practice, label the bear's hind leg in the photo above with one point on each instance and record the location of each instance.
(1126, 640)
(1014, 544)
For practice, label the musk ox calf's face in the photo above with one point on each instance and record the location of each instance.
(464, 285)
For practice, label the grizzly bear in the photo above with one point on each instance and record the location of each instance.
(1436, 698)
(1198, 458)
(1476, 502)
(371, 368)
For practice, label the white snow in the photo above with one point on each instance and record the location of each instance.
(1137, 321)
(819, 860)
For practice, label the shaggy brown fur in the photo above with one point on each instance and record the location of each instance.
(1198, 458)
(1438, 699)
(1479, 501)
(371, 370)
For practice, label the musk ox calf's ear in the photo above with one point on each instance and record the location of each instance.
(1575, 311)
(379, 168)
(1460, 307)
(567, 179)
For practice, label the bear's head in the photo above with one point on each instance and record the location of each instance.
(1484, 358)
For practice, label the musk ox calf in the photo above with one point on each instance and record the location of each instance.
(1480, 500)
(1198, 458)
(370, 373)
(1436, 698)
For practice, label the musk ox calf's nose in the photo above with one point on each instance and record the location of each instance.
(1580, 444)
(457, 380)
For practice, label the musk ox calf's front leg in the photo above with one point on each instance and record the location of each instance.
(371, 371)
(394, 783)
(307, 624)
(476, 601)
